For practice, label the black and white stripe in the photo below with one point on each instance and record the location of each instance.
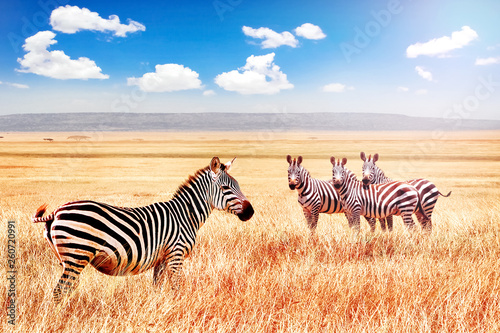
(128, 241)
(429, 193)
(374, 201)
(314, 195)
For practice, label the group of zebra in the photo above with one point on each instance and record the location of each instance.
(128, 241)
(375, 197)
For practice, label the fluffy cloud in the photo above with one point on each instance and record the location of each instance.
(441, 46)
(309, 31)
(271, 39)
(336, 88)
(403, 89)
(423, 73)
(70, 19)
(167, 78)
(259, 76)
(487, 61)
(55, 64)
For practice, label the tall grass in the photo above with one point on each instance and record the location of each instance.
(268, 274)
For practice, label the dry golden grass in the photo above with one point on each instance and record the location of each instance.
(267, 274)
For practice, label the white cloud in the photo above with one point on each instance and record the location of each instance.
(487, 61)
(441, 46)
(259, 76)
(55, 64)
(208, 93)
(403, 89)
(71, 19)
(336, 88)
(309, 31)
(423, 73)
(15, 85)
(272, 39)
(421, 92)
(18, 85)
(167, 78)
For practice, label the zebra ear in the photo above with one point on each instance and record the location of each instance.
(215, 165)
(229, 164)
(363, 156)
(375, 158)
(289, 159)
(299, 160)
(332, 160)
(344, 161)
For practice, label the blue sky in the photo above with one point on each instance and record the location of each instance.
(419, 58)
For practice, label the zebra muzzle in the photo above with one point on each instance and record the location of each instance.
(366, 182)
(246, 211)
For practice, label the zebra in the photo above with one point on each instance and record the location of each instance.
(314, 195)
(374, 201)
(122, 241)
(429, 193)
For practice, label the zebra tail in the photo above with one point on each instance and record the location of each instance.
(38, 217)
(444, 195)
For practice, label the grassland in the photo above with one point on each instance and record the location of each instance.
(267, 274)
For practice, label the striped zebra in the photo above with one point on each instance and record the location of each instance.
(314, 195)
(429, 193)
(127, 241)
(374, 201)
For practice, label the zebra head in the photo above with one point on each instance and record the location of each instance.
(369, 169)
(294, 172)
(227, 195)
(339, 175)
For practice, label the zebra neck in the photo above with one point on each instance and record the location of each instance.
(193, 195)
(380, 177)
(305, 182)
(350, 183)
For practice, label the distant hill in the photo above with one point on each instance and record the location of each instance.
(67, 122)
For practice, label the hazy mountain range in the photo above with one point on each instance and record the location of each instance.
(65, 122)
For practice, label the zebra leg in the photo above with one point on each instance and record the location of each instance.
(354, 220)
(159, 273)
(372, 222)
(311, 218)
(388, 219)
(69, 279)
(382, 224)
(307, 215)
(313, 222)
(172, 266)
(174, 275)
(426, 223)
(408, 220)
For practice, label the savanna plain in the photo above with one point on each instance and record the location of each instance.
(267, 274)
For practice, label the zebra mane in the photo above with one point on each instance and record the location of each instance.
(350, 175)
(380, 174)
(191, 180)
(305, 173)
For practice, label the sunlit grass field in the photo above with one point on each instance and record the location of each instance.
(267, 274)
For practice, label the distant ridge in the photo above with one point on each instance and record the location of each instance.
(68, 122)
